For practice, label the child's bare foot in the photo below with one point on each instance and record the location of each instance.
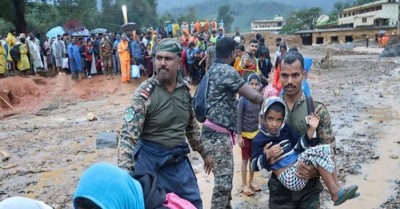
(247, 191)
(255, 187)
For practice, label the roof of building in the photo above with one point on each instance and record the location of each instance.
(265, 21)
(343, 29)
(368, 5)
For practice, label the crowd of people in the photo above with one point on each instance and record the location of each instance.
(83, 57)
(252, 100)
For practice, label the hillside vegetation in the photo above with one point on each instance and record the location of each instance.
(244, 11)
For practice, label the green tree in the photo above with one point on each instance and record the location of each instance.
(39, 21)
(189, 16)
(225, 14)
(302, 19)
(41, 15)
(13, 11)
(337, 9)
(111, 15)
(166, 17)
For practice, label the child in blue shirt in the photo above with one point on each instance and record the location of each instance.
(273, 131)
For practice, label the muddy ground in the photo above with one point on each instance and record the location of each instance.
(51, 142)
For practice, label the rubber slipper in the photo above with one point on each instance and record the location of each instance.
(345, 194)
(357, 194)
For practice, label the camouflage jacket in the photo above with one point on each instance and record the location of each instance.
(223, 85)
(135, 120)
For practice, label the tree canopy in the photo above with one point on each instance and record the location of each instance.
(225, 14)
(40, 16)
(302, 20)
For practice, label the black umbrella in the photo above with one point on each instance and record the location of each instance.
(129, 26)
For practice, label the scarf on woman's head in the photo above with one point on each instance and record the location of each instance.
(109, 187)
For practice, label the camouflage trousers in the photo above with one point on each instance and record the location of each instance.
(282, 198)
(220, 148)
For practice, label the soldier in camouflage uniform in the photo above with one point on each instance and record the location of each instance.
(106, 55)
(291, 76)
(157, 123)
(217, 131)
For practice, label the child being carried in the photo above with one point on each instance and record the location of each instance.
(274, 131)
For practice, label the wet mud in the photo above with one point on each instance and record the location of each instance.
(51, 142)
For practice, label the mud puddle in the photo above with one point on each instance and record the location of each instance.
(381, 121)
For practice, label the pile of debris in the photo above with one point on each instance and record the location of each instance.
(392, 48)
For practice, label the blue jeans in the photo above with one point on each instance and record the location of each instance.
(172, 168)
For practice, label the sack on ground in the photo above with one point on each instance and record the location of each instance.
(135, 71)
(200, 99)
(65, 63)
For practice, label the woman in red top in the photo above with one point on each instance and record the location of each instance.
(276, 83)
(88, 58)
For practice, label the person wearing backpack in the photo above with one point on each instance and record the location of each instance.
(23, 64)
(158, 124)
(224, 82)
(291, 76)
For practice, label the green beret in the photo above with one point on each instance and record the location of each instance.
(168, 45)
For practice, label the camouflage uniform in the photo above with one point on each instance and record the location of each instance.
(212, 56)
(224, 83)
(142, 124)
(308, 198)
(106, 53)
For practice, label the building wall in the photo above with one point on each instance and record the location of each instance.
(266, 26)
(388, 11)
(369, 20)
(341, 35)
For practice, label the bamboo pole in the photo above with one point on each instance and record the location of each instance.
(6, 102)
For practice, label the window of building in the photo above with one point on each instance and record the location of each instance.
(349, 39)
(334, 39)
(364, 19)
(320, 40)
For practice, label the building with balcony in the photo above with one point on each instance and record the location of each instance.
(378, 13)
(356, 23)
(274, 25)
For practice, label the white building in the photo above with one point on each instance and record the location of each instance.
(379, 13)
(274, 25)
